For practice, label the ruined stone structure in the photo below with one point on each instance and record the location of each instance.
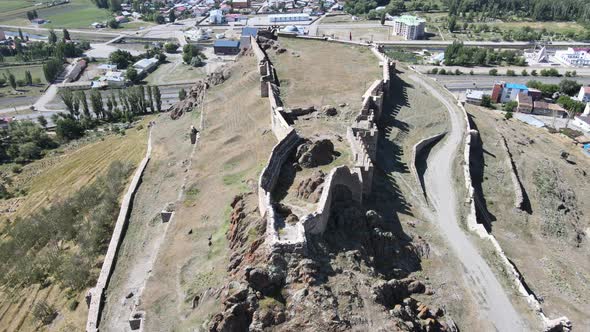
(558, 324)
(416, 152)
(362, 136)
(95, 296)
(516, 184)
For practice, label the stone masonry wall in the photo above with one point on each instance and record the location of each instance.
(518, 194)
(95, 295)
(362, 137)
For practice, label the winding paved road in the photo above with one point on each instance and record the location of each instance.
(494, 306)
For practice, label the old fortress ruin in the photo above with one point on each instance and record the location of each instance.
(362, 137)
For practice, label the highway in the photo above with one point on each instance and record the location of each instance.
(486, 82)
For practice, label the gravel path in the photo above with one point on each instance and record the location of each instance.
(494, 306)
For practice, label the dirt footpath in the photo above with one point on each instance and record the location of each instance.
(160, 184)
(234, 146)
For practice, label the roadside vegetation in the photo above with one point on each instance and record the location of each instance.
(35, 248)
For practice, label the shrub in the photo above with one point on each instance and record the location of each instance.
(44, 312)
(493, 72)
(508, 115)
(510, 106)
(73, 305)
(434, 71)
(510, 72)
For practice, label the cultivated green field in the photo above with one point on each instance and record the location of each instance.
(76, 14)
(22, 96)
(6, 5)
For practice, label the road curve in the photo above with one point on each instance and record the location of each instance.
(495, 308)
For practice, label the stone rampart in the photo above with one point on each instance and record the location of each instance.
(95, 296)
(518, 193)
(416, 152)
(316, 223)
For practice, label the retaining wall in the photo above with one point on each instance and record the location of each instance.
(472, 225)
(518, 194)
(95, 295)
(416, 151)
(317, 222)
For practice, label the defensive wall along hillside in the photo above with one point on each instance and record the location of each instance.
(472, 224)
(362, 137)
(95, 296)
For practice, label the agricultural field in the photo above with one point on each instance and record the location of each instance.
(76, 14)
(23, 95)
(10, 5)
(48, 182)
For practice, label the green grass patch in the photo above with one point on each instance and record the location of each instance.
(8, 5)
(77, 14)
(403, 56)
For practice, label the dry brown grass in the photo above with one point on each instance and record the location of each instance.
(553, 267)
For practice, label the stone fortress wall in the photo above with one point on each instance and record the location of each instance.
(517, 186)
(95, 296)
(362, 136)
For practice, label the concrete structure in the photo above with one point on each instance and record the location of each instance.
(583, 121)
(295, 17)
(505, 92)
(95, 296)
(545, 108)
(584, 94)
(247, 32)
(74, 70)
(113, 79)
(474, 96)
(216, 17)
(226, 47)
(408, 26)
(239, 4)
(145, 66)
(525, 103)
(574, 56)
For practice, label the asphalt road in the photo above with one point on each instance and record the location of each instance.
(486, 82)
(495, 308)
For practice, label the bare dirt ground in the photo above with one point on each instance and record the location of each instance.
(160, 185)
(416, 115)
(494, 305)
(233, 148)
(547, 244)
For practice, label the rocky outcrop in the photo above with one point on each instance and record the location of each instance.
(312, 154)
(311, 188)
(195, 96)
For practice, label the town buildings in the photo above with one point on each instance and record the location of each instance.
(583, 121)
(292, 17)
(408, 26)
(240, 4)
(144, 66)
(474, 96)
(584, 94)
(216, 17)
(574, 56)
(226, 47)
(505, 92)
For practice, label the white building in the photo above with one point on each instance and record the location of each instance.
(474, 96)
(113, 79)
(216, 17)
(584, 94)
(576, 57)
(408, 26)
(583, 121)
(144, 66)
(295, 17)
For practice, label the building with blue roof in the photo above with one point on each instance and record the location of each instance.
(505, 92)
(226, 47)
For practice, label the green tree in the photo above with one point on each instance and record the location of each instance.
(12, 81)
(42, 121)
(534, 73)
(182, 94)
(493, 72)
(97, 104)
(452, 24)
(508, 115)
(486, 101)
(44, 312)
(20, 34)
(524, 73)
(132, 74)
(67, 97)
(28, 78)
(510, 106)
(113, 24)
(150, 98)
(157, 98)
(510, 72)
(172, 16)
(569, 87)
(82, 98)
(68, 129)
(170, 47)
(121, 58)
(66, 35)
(52, 37)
